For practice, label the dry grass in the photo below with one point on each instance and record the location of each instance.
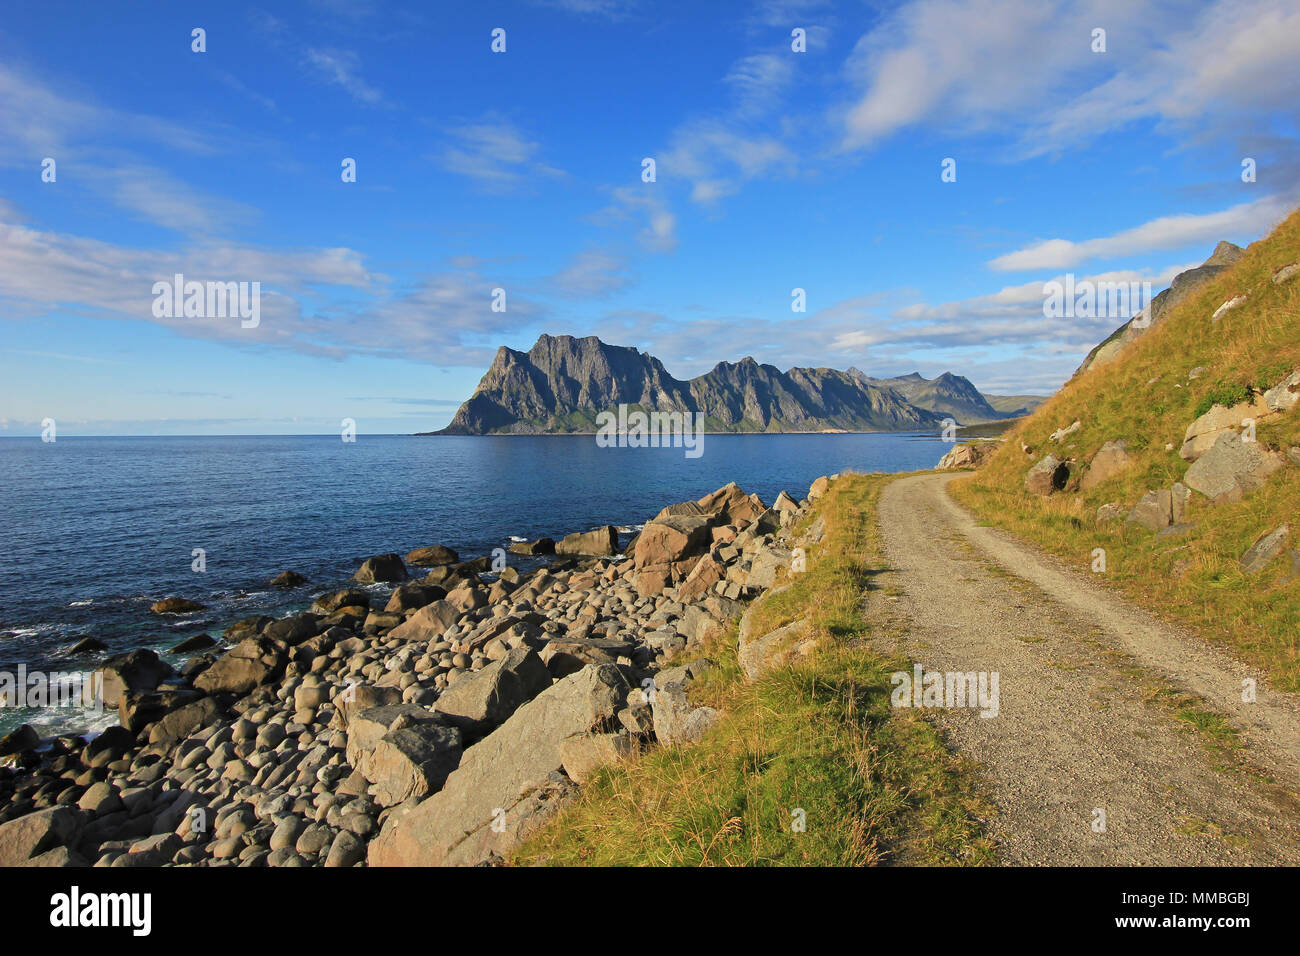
(1147, 398)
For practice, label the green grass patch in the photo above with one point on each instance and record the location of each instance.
(809, 765)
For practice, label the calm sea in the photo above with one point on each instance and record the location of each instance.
(96, 529)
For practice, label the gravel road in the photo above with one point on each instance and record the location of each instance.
(1082, 724)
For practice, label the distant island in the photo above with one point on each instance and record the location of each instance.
(562, 383)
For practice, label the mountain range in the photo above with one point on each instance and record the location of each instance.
(562, 383)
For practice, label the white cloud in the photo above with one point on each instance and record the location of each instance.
(343, 69)
(593, 273)
(444, 318)
(496, 154)
(1026, 67)
(659, 230)
(1168, 232)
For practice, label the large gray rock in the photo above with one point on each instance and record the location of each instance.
(1109, 461)
(23, 737)
(676, 719)
(183, 721)
(1205, 431)
(758, 652)
(1283, 396)
(1231, 468)
(137, 670)
(428, 623)
(29, 836)
(599, 542)
(584, 754)
(380, 569)
(1153, 511)
(432, 556)
(249, 664)
(1049, 475)
(766, 565)
(1264, 550)
(410, 762)
(505, 787)
(485, 699)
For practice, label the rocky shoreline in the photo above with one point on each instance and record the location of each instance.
(439, 729)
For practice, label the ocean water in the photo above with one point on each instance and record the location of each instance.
(94, 530)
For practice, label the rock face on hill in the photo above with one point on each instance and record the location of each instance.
(1184, 284)
(562, 383)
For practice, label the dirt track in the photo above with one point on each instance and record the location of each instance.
(1080, 723)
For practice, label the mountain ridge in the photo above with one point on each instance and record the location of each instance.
(563, 382)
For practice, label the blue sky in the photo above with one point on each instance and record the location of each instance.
(522, 170)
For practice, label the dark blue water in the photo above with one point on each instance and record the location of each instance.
(96, 529)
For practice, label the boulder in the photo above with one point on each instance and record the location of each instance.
(412, 597)
(970, 455)
(690, 509)
(583, 755)
(676, 719)
(137, 670)
(183, 721)
(292, 630)
(1266, 547)
(1154, 511)
(24, 839)
(1049, 475)
(432, 556)
(766, 565)
(410, 762)
(1109, 461)
(287, 580)
(348, 597)
(428, 623)
(671, 539)
(1110, 512)
(785, 503)
(504, 788)
(1228, 306)
(1231, 468)
(382, 568)
(249, 664)
(1285, 394)
(759, 652)
(1205, 431)
(138, 709)
(707, 572)
(1289, 271)
(598, 542)
(730, 505)
(538, 547)
(175, 605)
(486, 698)
(198, 642)
(566, 655)
(1063, 433)
(20, 739)
(819, 487)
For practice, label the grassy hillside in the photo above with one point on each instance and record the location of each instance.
(875, 782)
(1148, 397)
